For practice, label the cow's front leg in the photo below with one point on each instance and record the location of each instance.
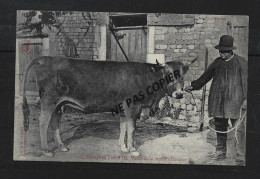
(55, 121)
(45, 118)
(122, 136)
(130, 127)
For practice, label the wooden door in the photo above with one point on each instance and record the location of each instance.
(241, 41)
(134, 44)
(28, 52)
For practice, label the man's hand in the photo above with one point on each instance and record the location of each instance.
(244, 104)
(188, 88)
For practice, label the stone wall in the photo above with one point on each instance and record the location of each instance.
(176, 41)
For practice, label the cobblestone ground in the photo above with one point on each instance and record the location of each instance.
(94, 138)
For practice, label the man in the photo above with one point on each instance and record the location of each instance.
(227, 96)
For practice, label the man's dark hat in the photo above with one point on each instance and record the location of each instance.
(226, 43)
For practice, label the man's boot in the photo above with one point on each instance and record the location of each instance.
(221, 149)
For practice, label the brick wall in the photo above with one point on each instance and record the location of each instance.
(75, 26)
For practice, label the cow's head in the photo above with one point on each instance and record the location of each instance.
(178, 69)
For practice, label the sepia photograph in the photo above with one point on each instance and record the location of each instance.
(120, 87)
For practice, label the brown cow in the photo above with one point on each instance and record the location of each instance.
(100, 86)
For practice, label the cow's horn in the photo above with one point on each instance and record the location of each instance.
(158, 63)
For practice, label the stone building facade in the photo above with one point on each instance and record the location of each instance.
(169, 34)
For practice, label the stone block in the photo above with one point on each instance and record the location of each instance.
(210, 25)
(196, 36)
(172, 30)
(187, 101)
(159, 31)
(180, 42)
(165, 30)
(178, 36)
(202, 36)
(161, 47)
(159, 51)
(173, 46)
(159, 37)
(202, 16)
(210, 21)
(181, 30)
(183, 50)
(215, 41)
(184, 36)
(170, 38)
(177, 55)
(190, 37)
(199, 21)
(208, 35)
(184, 112)
(179, 46)
(176, 105)
(176, 50)
(181, 117)
(195, 119)
(183, 106)
(191, 47)
(184, 46)
(189, 42)
(207, 41)
(189, 107)
(183, 100)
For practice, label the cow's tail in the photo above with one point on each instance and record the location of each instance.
(25, 107)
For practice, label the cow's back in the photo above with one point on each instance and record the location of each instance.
(96, 83)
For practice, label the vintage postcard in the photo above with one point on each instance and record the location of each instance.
(131, 87)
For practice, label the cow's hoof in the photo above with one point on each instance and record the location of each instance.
(64, 149)
(124, 149)
(133, 149)
(48, 153)
(135, 153)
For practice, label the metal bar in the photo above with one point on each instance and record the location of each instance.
(119, 44)
(203, 95)
(129, 28)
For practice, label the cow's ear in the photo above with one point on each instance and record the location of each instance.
(188, 59)
(185, 69)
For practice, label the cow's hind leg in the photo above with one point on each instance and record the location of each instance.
(45, 117)
(55, 121)
(122, 136)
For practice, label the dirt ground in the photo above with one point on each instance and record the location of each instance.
(94, 138)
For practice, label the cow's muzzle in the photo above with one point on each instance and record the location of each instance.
(179, 95)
